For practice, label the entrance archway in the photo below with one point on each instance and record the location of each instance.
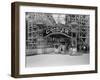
(58, 40)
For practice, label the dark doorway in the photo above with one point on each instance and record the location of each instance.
(59, 39)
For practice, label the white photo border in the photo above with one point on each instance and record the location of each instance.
(73, 68)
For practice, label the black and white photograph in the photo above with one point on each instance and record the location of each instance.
(54, 39)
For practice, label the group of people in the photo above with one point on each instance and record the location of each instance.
(60, 49)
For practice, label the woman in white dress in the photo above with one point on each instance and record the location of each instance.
(56, 49)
